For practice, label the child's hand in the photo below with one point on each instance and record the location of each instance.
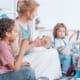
(66, 51)
(25, 63)
(23, 46)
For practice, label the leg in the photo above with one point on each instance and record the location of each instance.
(66, 62)
(30, 72)
(26, 73)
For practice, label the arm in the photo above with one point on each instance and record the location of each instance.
(18, 62)
(29, 45)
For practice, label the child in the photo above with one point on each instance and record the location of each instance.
(10, 69)
(61, 44)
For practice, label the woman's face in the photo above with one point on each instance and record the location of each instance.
(61, 32)
(31, 14)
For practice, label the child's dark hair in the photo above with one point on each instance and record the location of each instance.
(57, 26)
(6, 25)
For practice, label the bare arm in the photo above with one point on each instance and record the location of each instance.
(17, 64)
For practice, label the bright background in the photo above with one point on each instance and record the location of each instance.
(52, 12)
(66, 11)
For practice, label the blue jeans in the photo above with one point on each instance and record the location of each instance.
(65, 61)
(26, 73)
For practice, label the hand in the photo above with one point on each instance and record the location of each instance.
(59, 48)
(25, 63)
(37, 42)
(40, 42)
(66, 51)
(43, 42)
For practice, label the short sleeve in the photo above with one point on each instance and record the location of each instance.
(6, 56)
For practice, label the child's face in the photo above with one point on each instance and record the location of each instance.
(13, 34)
(61, 32)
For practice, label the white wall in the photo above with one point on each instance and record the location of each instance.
(7, 4)
(8, 7)
(67, 11)
(53, 11)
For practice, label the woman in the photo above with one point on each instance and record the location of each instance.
(26, 12)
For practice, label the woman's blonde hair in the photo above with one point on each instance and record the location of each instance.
(26, 5)
(57, 26)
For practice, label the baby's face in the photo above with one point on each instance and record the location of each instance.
(61, 32)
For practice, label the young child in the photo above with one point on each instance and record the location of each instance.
(61, 44)
(10, 69)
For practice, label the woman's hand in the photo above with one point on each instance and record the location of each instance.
(37, 42)
(40, 42)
